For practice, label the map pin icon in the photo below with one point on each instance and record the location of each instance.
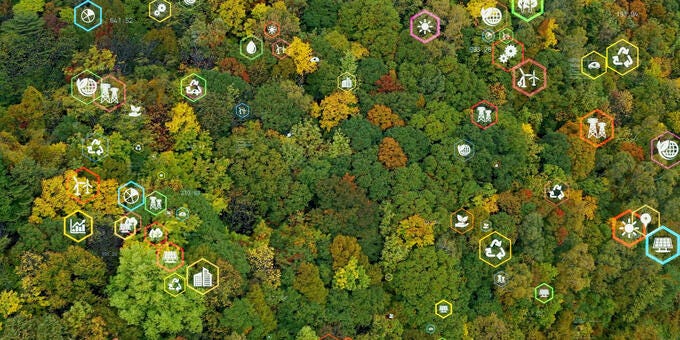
(646, 218)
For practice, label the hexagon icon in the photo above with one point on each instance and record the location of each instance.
(169, 256)
(500, 279)
(82, 185)
(251, 47)
(484, 114)
(649, 217)
(544, 292)
(665, 149)
(203, 276)
(271, 30)
(155, 234)
(127, 226)
(182, 214)
(495, 249)
(627, 228)
(329, 336)
(279, 48)
(347, 82)
(425, 26)
(242, 110)
(495, 17)
(623, 57)
(529, 77)
(87, 15)
(461, 221)
(527, 10)
(556, 192)
(488, 35)
(112, 93)
(443, 309)
(664, 245)
(174, 284)
(593, 65)
(78, 226)
(155, 203)
(507, 54)
(188, 4)
(464, 149)
(131, 196)
(505, 34)
(193, 87)
(84, 86)
(160, 10)
(95, 147)
(599, 126)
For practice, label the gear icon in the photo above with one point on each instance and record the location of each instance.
(503, 58)
(510, 51)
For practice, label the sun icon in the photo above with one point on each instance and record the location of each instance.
(425, 26)
(629, 229)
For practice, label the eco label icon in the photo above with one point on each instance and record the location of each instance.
(84, 86)
(193, 87)
(95, 147)
(556, 192)
(495, 249)
(665, 149)
(174, 284)
(527, 10)
(462, 221)
(623, 57)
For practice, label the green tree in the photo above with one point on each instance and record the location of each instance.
(308, 282)
(137, 292)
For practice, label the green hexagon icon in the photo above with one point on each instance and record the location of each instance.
(251, 47)
(193, 87)
(527, 10)
(544, 293)
(156, 203)
(623, 57)
(84, 87)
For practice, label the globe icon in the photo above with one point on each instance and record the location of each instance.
(492, 16)
(668, 149)
(87, 16)
(86, 86)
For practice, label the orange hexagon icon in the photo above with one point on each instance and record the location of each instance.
(596, 128)
(556, 192)
(169, 256)
(462, 221)
(628, 229)
(82, 185)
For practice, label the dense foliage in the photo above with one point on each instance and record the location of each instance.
(328, 211)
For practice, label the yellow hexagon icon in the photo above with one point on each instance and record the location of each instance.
(160, 10)
(443, 309)
(593, 65)
(623, 57)
(495, 249)
(461, 221)
(78, 226)
(174, 284)
(649, 217)
(203, 276)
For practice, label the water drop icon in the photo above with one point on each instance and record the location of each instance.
(251, 48)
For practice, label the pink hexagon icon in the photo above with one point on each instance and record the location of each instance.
(112, 93)
(155, 234)
(169, 256)
(529, 77)
(425, 26)
(507, 54)
(665, 149)
(484, 114)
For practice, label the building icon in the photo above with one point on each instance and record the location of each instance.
(203, 279)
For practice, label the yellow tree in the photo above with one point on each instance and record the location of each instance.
(302, 54)
(547, 31)
(335, 108)
(232, 13)
(184, 126)
(383, 117)
(475, 6)
(416, 231)
(391, 154)
(55, 202)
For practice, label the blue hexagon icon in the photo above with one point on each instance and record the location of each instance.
(664, 247)
(131, 196)
(87, 15)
